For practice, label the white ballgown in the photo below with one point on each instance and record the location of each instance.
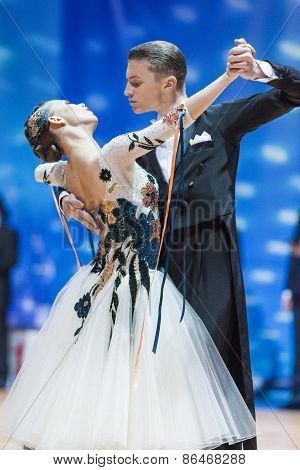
(76, 392)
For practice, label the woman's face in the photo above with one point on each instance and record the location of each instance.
(73, 114)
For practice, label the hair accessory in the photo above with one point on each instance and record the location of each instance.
(35, 124)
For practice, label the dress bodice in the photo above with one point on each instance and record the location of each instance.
(128, 216)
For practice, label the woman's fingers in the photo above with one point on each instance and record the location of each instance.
(238, 65)
(245, 57)
(86, 219)
(243, 43)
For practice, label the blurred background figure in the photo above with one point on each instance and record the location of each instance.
(8, 257)
(290, 300)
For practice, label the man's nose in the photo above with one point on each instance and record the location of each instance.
(128, 90)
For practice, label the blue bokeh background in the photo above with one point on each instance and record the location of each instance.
(78, 51)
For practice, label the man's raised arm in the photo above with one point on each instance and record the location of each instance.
(247, 114)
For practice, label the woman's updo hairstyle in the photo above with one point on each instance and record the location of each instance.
(38, 134)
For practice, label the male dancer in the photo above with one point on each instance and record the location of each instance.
(206, 225)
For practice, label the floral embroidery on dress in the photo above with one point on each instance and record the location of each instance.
(106, 212)
(82, 308)
(131, 241)
(147, 144)
(150, 194)
(155, 224)
(105, 175)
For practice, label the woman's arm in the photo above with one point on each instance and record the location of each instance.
(128, 147)
(51, 173)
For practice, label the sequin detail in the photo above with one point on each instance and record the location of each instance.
(171, 119)
(35, 125)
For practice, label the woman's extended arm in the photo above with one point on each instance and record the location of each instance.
(51, 173)
(128, 147)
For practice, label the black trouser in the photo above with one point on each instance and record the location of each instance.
(209, 290)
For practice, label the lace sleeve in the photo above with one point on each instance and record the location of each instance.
(51, 173)
(128, 147)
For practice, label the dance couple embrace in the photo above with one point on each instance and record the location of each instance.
(146, 346)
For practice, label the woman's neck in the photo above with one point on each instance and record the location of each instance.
(80, 150)
(82, 171)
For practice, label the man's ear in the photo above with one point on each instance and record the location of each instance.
(170, 83)
(56, 122)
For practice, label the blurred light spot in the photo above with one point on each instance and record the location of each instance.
(135, 31)
(97, 102)
(295, 182)
(284, 316)
(6, 171)
(290, 48)
(41, 314)
(46, 270)
(262, 276)
(185, 14)
(95, 45)
(5, 54)
(274, 154)
(37, 244)
(270, 334)
(27, 304)
(287, 216)
(193, 74)
(240, 5)
(278, 247)
(45, 43)
(241, 223)
(246, 190)
(252, 300)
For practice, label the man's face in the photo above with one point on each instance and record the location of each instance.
(142, 89)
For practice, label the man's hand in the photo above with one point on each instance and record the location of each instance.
(241, 61)
(72, 207)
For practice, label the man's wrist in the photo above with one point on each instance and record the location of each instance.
(264, 72)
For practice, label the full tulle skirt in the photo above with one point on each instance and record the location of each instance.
(79, 394)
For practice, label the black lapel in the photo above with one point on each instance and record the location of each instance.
(188, 134)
